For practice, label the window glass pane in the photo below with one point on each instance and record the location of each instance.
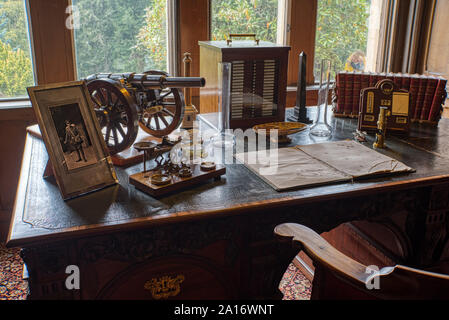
(120, 36)
(244, 16)
(16, 70)
(342, 34)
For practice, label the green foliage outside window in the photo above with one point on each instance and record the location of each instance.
(342, 29)
(152, 39)
(244, 16)
(15, 71)
(15, 62)
(120, 36)
(106, 35)
(123, 36)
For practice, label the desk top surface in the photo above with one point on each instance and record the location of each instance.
(40, 214)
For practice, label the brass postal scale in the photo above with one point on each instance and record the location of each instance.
(388, 96)
(154, 101)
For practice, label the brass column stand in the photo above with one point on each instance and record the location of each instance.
(190, 111)
(381, 128)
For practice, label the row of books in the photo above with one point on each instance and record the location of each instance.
(428, 93)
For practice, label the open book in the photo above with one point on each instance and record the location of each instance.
(318, 164)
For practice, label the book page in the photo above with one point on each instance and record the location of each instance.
(354, 158)
(290, 168)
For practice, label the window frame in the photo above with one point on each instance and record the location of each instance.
(53, 52)
(24, 99)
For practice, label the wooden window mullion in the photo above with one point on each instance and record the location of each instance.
(52, 41)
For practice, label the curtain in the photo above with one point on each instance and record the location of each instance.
(408, 30)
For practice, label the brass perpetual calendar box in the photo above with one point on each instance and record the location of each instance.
(258, 80)
(385, 94)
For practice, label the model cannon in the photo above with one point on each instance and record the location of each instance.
(124, 101)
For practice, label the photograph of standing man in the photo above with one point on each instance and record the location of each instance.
(75, 140)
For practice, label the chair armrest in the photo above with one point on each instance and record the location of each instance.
(398, 282)
(321, 252)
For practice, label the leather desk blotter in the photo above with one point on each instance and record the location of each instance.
(319, 164)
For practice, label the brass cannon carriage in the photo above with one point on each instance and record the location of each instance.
(124, 101)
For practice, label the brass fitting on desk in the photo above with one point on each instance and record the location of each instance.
(190, 110)
(381, 128)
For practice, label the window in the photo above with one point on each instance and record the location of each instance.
(16, 69)
(120, 36)
(244, 16)
(348, 34)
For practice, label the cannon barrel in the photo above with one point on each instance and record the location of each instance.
(152, 81)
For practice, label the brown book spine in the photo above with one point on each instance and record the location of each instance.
(356, 93)
(428, 97)
(349, 89)
(405, 82)
(438, 100)
(420, 97)
(365, 80)
(397, 79)
(341, 78)
(365, 84)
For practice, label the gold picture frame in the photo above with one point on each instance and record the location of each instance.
(73, 138)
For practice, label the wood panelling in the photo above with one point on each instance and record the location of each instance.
(12, 141)
(301, 37)
(193, 26)
(52, 41)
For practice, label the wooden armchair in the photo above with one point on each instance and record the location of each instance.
(337, 276)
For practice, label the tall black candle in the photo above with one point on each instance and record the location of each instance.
(300, 111)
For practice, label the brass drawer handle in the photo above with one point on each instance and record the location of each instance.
(241, 35)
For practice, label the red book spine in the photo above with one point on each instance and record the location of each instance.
(438, 100)
(356, 93)
(380, 76)
(365, 84)
(390, 76)
(365, 80)
(420, 97)
(405, 82)
(428, 97)
(372, 80)
(349, 89)
(340, 92)
(414, 87)
(397, 79)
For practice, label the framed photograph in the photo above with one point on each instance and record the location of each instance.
(71, 133)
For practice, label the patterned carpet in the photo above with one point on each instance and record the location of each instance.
(12, 287)
(294, 285)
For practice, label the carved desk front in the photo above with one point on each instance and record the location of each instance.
(216, 240)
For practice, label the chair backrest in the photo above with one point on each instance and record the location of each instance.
(340, 277)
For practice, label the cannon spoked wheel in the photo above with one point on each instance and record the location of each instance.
(164, 111)
(116, 113)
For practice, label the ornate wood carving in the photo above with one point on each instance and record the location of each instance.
(165, 240)
(165, 287)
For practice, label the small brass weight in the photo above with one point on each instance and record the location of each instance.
(381, 128)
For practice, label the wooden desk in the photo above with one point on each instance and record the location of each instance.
(216, 240)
